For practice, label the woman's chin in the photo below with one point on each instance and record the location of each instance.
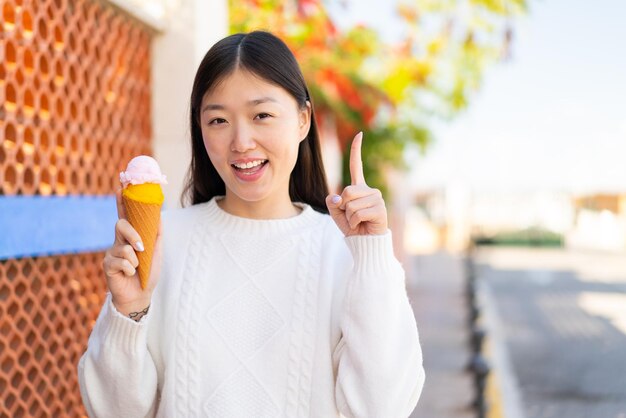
(250, 197)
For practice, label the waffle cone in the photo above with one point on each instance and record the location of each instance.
(145, 218)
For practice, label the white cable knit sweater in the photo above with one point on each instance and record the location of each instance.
(260, 318)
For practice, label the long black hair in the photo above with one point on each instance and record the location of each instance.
(269, 58)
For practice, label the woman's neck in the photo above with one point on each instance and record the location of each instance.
(263, 209)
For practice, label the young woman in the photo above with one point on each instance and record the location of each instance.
(274, 299)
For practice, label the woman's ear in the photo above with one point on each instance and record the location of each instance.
(304, 116)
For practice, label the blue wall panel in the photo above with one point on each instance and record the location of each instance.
(36, 225)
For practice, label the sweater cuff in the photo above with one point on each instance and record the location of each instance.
(372, 254)
(122, 332)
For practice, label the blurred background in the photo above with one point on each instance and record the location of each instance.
(495, 128)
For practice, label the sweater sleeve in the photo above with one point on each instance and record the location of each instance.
(379, 358)
(116, 374)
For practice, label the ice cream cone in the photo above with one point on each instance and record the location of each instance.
(145, 218)
(142, 197)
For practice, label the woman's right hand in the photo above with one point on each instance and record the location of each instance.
(120, 266)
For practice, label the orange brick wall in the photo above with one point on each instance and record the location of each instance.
(74, 108)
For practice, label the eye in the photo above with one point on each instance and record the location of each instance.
(263, 116)
(217, 121)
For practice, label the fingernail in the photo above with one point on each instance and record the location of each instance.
(139, 246)
(336, 199)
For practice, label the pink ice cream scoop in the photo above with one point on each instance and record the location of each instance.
(142, 169)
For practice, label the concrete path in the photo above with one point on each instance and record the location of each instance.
(563, 317)
(435, 288)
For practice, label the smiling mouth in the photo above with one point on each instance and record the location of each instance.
(249, 167)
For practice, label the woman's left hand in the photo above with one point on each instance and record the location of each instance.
(360, 209)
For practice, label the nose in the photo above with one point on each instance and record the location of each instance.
(243, 139)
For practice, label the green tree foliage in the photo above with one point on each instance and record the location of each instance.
(392, 92)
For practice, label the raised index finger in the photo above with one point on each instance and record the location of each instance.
(356, 163)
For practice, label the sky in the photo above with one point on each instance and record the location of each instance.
(553, 118)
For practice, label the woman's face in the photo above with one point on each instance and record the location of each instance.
(251, 131)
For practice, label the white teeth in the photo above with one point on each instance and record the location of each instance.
(249, 164)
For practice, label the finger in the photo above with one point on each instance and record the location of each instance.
(333, 203)
(125, 233)
(350, 193)
(338, 215)
(365, 202)
(127, 252)
(356, 163)
(114, 265)
(371, 214)
(121, 210)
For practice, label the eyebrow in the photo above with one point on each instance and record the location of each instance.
(253, 102)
